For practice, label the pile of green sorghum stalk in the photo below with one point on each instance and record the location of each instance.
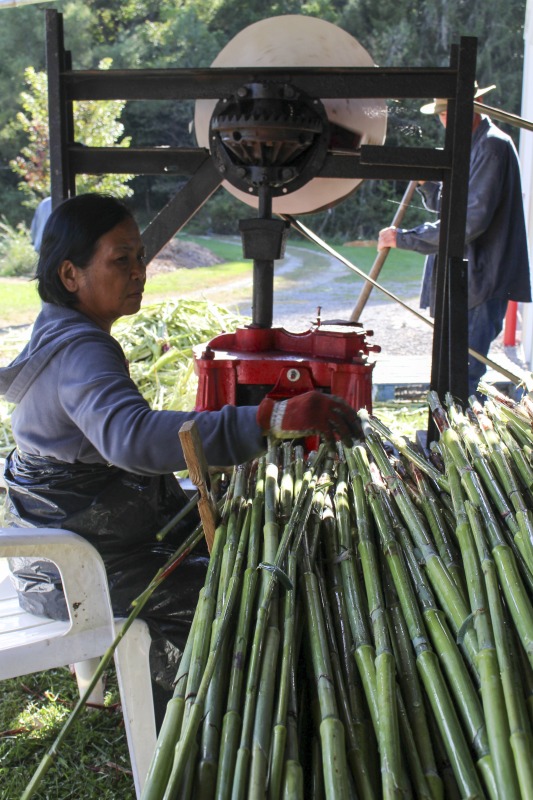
(366, 628)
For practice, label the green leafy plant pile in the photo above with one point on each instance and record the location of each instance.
(158, 343)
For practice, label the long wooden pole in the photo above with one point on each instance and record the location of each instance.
(382, 254)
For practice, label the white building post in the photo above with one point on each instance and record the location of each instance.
(526, 160)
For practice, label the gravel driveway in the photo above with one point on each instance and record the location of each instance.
(299, 289)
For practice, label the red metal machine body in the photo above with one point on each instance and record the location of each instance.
(241, 368)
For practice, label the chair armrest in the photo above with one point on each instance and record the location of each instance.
(80, 565)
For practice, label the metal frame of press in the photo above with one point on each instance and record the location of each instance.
(449, 165)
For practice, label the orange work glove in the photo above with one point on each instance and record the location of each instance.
(308, 414)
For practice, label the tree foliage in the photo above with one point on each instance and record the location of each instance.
(95, 125)
(190, 33)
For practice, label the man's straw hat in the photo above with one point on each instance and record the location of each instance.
(439, 104)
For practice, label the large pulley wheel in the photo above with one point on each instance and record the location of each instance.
(265, 133)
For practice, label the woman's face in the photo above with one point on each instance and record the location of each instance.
(112, 283)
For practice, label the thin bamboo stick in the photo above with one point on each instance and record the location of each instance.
(289, 651)
(389, 733)
(231, 726)
(361, 776)
(332, 740)
(403, 447)
(187, 742)
(492, 691)
(240, 514)
(364, 652)
(446, 547)
(291, 536)
(427, 662)
(161, 763)
(366, 765)
(264, 708)
(450, 599)
(289, 647)
(511, 581)
(413, 706)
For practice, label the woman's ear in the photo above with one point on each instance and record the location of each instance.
(68, 275)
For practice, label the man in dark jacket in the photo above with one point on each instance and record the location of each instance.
(496, 240)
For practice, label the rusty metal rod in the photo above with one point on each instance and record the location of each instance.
(503, 116)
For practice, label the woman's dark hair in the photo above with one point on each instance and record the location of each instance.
(70, 234)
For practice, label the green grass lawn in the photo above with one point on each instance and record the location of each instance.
(19, 301)
(230, 249)
(398, 262)
(400, 265)
(185, 281)
(93, 761)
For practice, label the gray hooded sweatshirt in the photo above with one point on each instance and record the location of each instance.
(76, 403)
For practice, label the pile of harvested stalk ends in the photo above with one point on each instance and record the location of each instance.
(366, 625)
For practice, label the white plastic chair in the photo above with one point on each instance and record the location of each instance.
(30, 643)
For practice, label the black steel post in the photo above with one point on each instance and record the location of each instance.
(449, 372)
(263, 293)
(60, 117)
(263, 273)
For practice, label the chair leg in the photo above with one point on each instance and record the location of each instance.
(84, 673)
(135, 685)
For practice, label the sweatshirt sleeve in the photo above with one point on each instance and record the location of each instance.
(98, 395)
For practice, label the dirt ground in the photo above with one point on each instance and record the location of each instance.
(182, 255)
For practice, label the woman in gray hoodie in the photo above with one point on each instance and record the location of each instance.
(91, 455)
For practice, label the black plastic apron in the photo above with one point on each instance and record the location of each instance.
(119, 513)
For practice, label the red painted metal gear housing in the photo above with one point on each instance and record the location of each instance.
(241, 368)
